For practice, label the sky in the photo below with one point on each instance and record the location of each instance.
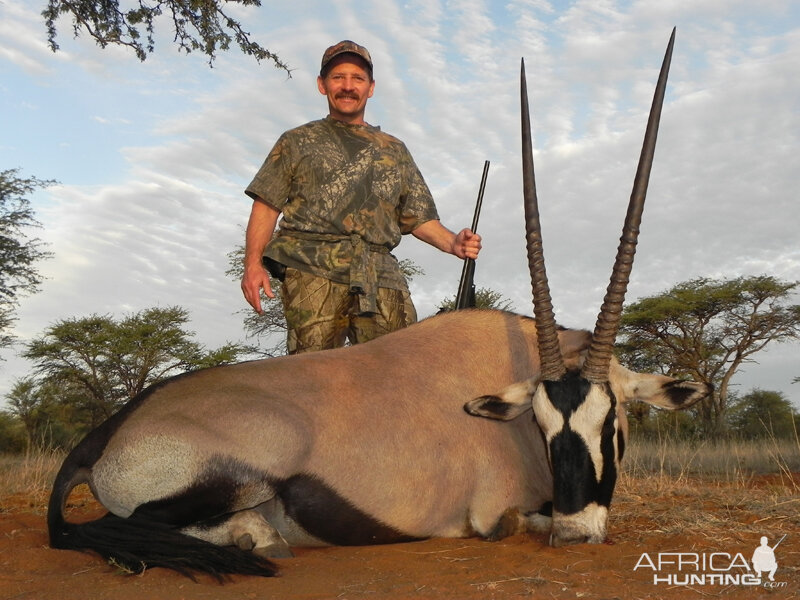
(152, 157)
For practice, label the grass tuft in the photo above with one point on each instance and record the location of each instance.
(31, 473)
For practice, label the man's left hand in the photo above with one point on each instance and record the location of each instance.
(467, 244)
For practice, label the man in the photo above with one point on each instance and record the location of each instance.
(347, 192)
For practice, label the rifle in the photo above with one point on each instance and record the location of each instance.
(465, 298)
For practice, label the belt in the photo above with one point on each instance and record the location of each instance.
(363, 267)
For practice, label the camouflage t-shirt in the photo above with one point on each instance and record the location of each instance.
(347, 193)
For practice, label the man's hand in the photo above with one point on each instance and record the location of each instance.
(464, 244)
(467, 244)
(253, 280)
(259, 232)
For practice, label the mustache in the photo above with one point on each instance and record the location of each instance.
(350, 95)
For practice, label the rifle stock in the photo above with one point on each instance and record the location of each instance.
(465, 298)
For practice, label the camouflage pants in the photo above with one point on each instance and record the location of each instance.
(322, 314)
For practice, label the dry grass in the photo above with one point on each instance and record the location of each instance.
(725, 493)
(31, 474)
(727, 461)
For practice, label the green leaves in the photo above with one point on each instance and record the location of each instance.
(19, 252)
(484, 298)
(763, 414)
(706, 329)
(198, 25)
(106, 362)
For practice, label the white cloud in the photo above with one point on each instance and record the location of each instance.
(23, 39)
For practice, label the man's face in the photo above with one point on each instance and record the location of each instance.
(347, 85)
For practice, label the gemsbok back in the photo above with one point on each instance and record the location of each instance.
(410, 436)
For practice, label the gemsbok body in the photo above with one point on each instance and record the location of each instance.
(410, 436)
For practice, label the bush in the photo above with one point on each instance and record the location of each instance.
(12, 434)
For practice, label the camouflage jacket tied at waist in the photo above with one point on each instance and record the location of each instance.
(348, 259)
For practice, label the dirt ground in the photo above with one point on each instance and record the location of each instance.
(699, 520)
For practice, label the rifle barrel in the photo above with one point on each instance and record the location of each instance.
(479, 202)
(465, 297)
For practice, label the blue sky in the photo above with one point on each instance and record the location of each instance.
(152, 157)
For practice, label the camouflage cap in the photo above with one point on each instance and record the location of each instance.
(345, 47)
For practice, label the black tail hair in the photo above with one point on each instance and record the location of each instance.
(136, 544)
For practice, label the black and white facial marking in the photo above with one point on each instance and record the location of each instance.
(579, 422)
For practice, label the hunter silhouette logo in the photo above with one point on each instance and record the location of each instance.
(764, 558)
(714, 568)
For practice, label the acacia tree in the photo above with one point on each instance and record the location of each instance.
(763, 414)
(707, 329)
(44, 411)
(19, 252)
(484, 298)
(197, 25)
(12, 436)
(100, 362)
(24, 403)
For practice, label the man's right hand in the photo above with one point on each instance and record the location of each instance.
(253, 281)
(259, 232)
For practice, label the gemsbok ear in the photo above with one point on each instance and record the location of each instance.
(659, 390)
(507, 404)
